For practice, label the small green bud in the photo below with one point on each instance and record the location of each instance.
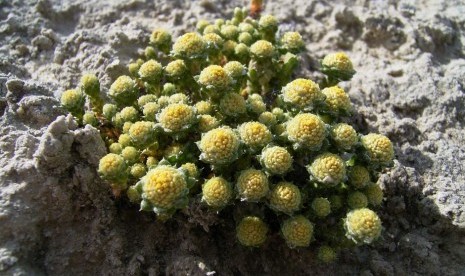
(109, 111)
(357, 200)
(73, 100)
(90, 119)
(321, 207)
(130, 154)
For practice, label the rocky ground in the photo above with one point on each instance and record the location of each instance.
(58, 218)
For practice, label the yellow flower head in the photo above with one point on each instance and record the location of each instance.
(297, 231)
(73, 99)
(306, 131)
(125, 140)
(229, 32)
(359, 177)
(150, 111)
(111, 166)
(292, 42)
(138, 170)
(90, 85)
(190, 46)
(130, 154)
(214, 42)
(190, 169)
(233, 105)
(160, 38)
(145, 99)
(252, 185)
(245, 38)
(379, 148)
(151, 71)
(142, 132)
(176, 69)
(251, 231)
(163, 186)
(338, 61)
(204, 107)
(207, 123)
(328, 169)
(255, 135)
(214, 77)
(276, 160)
(219, 146)
(357, 200)
(285, 197)
(235, 69)
(217, 192)
(344, 136)
(267, 118)
(321, 206)
(176, 117)
(262, 49)
(362, 225)
(123, 90)
(179, 98)
(337, 99)
(256, 104)
(302, 93)
(268, 22)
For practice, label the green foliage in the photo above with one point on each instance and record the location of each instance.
(218, 116)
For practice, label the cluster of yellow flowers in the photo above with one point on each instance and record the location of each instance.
(197, 120)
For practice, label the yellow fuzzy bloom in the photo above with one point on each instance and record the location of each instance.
(123, 90)
(321, 206)
(379, 148)
(306, 131)
(285, 197)
(72, 99)
(251, 231)
(207, 123)
(254, 134)
(111, 166)
(178, 98)
(163, 186)
(190, 169)
(145, 99)
(217, 192)
(344, 136)
(328, 168)
(337, 99)
(160, 38)
(129, 114)
(268, 22)
(362, 225)
(130, 154)
(125, 140)
(374, 194)
(359, 177)
(262, 49)
(267, 118)
(219, 146)
(176, 69)
(176, 117)
(276, 160)
(302, 93)
(252, 185)
(229, 31)
(292, 42)
(150, 111)
(138, 170)
(235, 69)
(151, 71)
(232, 104)
(190, 46)
(338, 61)
(204, 107)
(142, 132)
(214, 77)
(297, 231)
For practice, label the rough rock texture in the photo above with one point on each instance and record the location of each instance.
(58, 218)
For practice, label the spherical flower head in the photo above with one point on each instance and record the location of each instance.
(129, 114)
(89, 119)
(337, 100)
(285, 197)
(268, 22)
(255, 135)
(374, 194)
(245, 38)
(207, 123)
(336, 202)
(268, 118)
(344, 136)
(201, 24)
(246, 27)
(73, 100)
(160, 38)
(211, 29)
(112, 167)
(357, 200)
(328, 169)
(276, 160)
(176, 69)
(378, 147)
(297, 231)
(151, 162)
(229, 31)
(302, 93)
(241, 51)
(306, 131)
(292, 42)
(130, 154)
(173, 151)
(123, 90)
(214, 77)
(233, 105)
(176, 117)
(279, 113)
(151, 72)
(189, 46)
(150, 111)
(190, 169)
(235, 69)
(256, 106)
(326, 254)
(90, 85)
(125, 140)
(219, 146)
(169, 89)
(179, 98)
(262, 49)
(138, 170)
(362, 225)
(142, 133)
(127, 126)
(321, 207)
(145, 99)
(163, 187)
(228, 47)
(359, 177)
(217, 192)
(204, 107)
(109, 110)
(338, 65)
(252, 185)
(251, 231)
(163, 101)
(115, 148)
(214, 42)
